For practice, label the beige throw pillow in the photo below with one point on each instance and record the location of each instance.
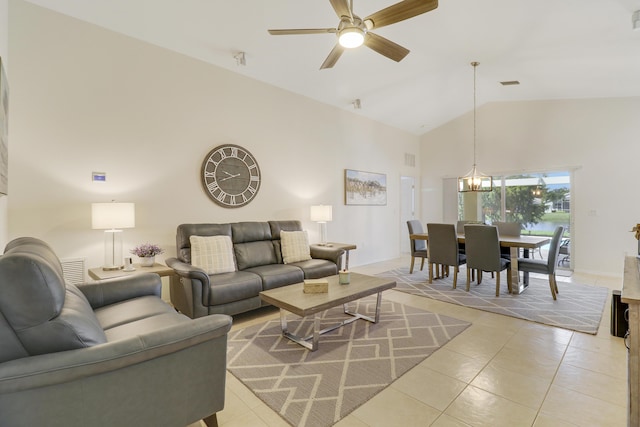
(295, 246)
(214, 254)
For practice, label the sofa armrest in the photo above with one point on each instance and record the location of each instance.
(329, 253)
(188, 271)
(110, 291)
(56, 368)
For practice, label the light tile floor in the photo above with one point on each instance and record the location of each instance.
(501, 371)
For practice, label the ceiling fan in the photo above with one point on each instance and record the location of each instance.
(353, 31)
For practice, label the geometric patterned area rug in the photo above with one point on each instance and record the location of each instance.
(578, 307)
(351, 365)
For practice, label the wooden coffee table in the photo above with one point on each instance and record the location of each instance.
(292, 299)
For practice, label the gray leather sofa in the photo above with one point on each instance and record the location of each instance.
(109, 353)
(259, 266)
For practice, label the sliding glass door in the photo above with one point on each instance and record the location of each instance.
(540, 201)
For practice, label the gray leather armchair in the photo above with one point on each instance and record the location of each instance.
(110, 353)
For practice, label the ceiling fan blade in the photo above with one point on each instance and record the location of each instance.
(333, 57)
(302, 31)
(341, 7)
(399, 12)
(385, 47)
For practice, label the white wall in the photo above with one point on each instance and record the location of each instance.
(86, 99)
(4, 54)
(598, 136)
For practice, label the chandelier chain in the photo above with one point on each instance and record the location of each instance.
(475, 65)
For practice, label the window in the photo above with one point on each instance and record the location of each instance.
(540, 201)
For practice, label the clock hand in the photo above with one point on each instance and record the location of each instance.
(229, 177)
(227, 173)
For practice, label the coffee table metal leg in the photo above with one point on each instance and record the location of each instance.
(357, 316)
(303, 341)
(311, 342)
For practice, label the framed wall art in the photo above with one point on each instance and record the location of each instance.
(4, 131)
(364, 188)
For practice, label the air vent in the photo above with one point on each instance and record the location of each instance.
(410, 160)
(73, 270)
(510, 83)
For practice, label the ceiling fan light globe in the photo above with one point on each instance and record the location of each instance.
(351, 37)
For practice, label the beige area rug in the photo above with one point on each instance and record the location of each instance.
(351, 365)
(578, 307)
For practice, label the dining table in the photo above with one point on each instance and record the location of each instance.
(514, 243)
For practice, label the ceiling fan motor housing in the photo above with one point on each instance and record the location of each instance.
(351, 33)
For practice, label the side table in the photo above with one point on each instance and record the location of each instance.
(346, 246)
(98, 273)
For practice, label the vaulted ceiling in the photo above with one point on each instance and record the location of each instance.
(556, 49)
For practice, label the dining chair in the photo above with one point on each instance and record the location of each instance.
(508, 229)
(418, 247)
(547, 266)
(483, 254)
(565, 251)
(460, 230)
(443, 249)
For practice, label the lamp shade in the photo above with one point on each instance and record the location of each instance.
(321, 213)
(105, 216)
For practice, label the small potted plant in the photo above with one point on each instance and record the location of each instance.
(147, 253)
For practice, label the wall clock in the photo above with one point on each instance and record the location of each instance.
(230, 176)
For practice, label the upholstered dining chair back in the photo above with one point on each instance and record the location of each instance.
(508, 228)
(483, 247)
(443, 244)
(415, 227)
(547, 266)
(460, 225)
(554, 249)
(483, 253)
(418, 247)
(443, 249)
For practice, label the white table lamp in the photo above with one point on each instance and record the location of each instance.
(322, 214)
(112, 217)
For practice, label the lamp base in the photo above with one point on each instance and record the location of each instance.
(113, 250)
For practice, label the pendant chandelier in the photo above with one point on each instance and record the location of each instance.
(474, 181)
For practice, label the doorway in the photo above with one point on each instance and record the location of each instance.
(407, 210)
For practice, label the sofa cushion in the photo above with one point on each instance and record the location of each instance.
(132, 310)
(45, 315)
(185, 231)
(146, 325)
(214, 254)
(278, 226)
(75, 327)
(253, 254)
(295, 246)
(11, 347)
(317, 268)
(230, 287)
(277, 275)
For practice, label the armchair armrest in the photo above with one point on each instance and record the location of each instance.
(327, 252)
(118, 289)
(57, 368)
